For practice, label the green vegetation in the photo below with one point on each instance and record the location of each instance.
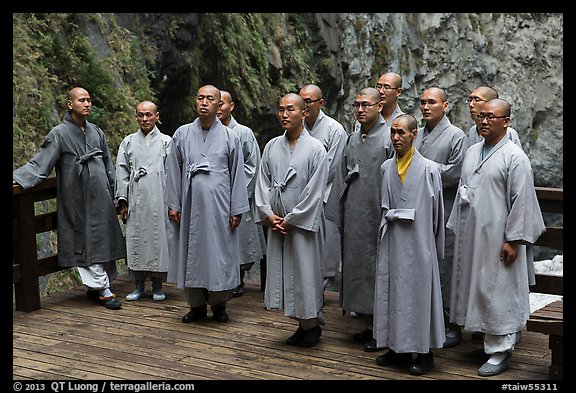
(51, 54)
(239, 46)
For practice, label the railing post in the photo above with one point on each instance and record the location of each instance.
(27, 291)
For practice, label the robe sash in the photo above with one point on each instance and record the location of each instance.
(278, 188)
(395, 215)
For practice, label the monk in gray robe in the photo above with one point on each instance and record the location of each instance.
(206, 197)
(141, 195)
(357, 194)
(89, 232)
(496, 219)
(289, 192)
(476, 101)
(390, 87)
(408, 312)
(250, 235)
(441, 141)
(333, 136)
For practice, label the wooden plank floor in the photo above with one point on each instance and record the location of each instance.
(71, 338)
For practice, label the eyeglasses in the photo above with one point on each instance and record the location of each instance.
(309, 101)
(386, 87)
(475, 99)
(358, 105)
(489, 116)
(289, 109)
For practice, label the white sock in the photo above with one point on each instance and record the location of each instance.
(106, 292)
(497, 358)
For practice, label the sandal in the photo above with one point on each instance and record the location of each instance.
(111, 302)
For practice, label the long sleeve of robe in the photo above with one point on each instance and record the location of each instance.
(141, 181)
(496, 202)
(408, 310)
(250, 234)
(291, 184)
(207, 185)
(88, 228)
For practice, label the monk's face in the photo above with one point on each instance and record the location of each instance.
(402, 137)
(492, 122)
(81, 104)
(290, 114)
(225, 110)
(432, 106)
(207, 102)
(147, 116)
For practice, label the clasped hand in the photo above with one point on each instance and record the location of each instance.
(279, 225)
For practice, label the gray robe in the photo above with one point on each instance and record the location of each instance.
(356, 191)
(141, 181)
(206, 183)
(250, 234)
(496, 202)
(474, 137)
(333, 137)
(291, 184)
(408, 312)
(446, 145)
(88, 228)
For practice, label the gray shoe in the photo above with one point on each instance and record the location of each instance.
(158, 296)
(453, 338)
(135, 294)
(489, 370)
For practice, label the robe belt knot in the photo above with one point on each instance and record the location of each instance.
(139, 173)
(395, 215)
(84, 158)
(353, 174)
(277, 188)
(194, 168)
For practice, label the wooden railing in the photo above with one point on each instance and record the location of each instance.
(551, 200)
(550, 319)
(27, 267)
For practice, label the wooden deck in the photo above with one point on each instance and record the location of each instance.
(72, 338)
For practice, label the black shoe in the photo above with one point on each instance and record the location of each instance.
(371, 346)
(112, 304)
(238, 291)
(478, 336)
(310, 337)
(93, 294)
(195, 314)
(394, 358)
(479, 354)
(219, 314)
(364, 336)
(423, 363)
(296, 337)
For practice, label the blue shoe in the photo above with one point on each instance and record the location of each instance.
(135, 294)
(158, 296)
(489, 370)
